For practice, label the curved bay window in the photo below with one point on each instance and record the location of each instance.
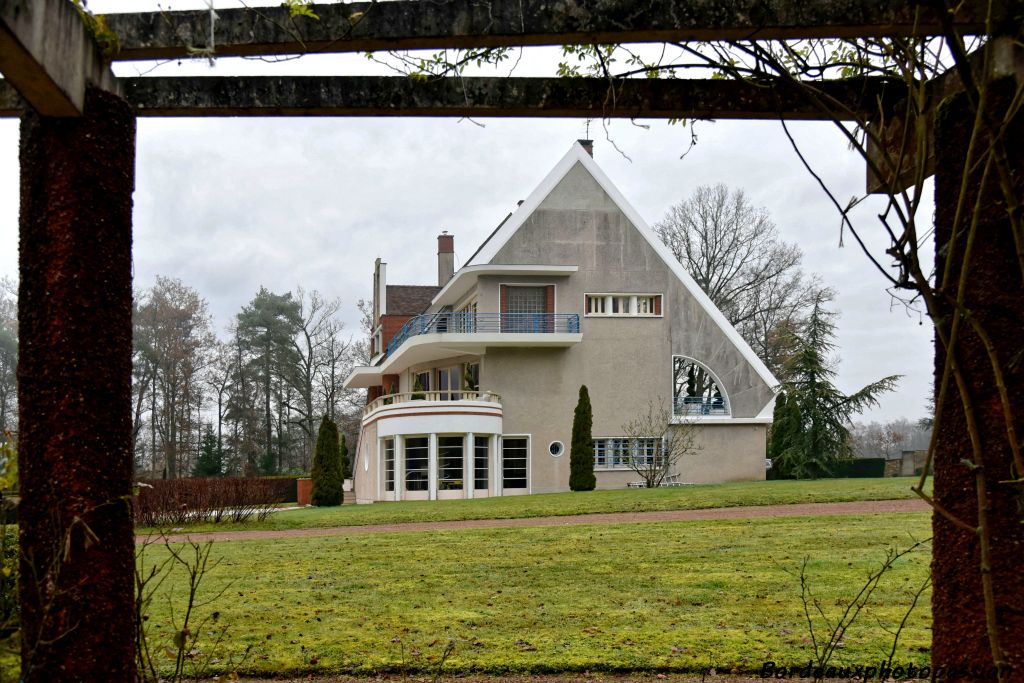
(695, 390)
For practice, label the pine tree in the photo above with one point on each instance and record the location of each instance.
(210, 462)
(327, 480)
(346, 464)
(817, 415)
(581, 452)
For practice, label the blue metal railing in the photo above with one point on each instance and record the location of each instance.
(699, 405)
(462, 323)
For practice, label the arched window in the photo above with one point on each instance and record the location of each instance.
(696, 390)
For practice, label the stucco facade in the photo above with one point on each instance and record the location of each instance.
(606, 306)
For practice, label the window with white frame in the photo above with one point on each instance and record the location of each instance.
(481, 456)
(514, 455)
(619, 452)
(389, 464)
(449, 463)
(623, 305)
(465, 320)
(695, 390)
(416, 463)
(449, 381)
(421, 381)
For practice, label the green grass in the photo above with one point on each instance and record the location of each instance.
(669, 596)
(618, 500)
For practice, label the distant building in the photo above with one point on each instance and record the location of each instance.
(473, 382)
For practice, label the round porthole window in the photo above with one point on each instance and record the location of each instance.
(556, 448)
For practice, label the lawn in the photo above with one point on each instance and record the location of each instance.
(682, 596)
(617, 500)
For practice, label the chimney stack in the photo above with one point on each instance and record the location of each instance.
(588, 145)
(445, 258)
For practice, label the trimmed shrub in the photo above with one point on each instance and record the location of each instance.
(581, 453)
(328, 483)
(859, 468)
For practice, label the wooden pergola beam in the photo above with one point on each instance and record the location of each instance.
(47, 56)
(408, 24)
(492, 97)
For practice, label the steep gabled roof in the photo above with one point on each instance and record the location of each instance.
(409, 299)
(577, 154)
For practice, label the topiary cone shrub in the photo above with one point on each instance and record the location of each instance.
(581, 453)
(327, 478)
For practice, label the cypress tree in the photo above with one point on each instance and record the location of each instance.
(327, 479)
(581, 453)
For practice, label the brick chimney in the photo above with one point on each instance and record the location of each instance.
(587, 145)
(445, 258)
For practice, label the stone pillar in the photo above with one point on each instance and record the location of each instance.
(496, 459)
(469, 466)
(399, 466)
(995, 298)
(432, 467)
(74, 394)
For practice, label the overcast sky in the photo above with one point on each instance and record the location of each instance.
(228, 205)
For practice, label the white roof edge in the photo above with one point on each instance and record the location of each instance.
(360, 372)
(576, 154)
(488, 268)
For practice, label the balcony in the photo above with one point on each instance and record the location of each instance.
(431, 397)
(700, 406)
(486, 324)
(436, 337)
(427, 412)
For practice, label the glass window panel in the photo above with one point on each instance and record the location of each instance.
(523, 304)
(514, 453)
(449, 463)
(481, 458)
(416, 463)
(389, 464)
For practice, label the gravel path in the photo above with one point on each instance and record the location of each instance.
(792, 510)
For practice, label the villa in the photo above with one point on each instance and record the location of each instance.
(473, 382)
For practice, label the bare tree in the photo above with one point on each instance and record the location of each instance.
(316, 331)
(174, 322)
(218, 378)
(732, 250)
(334, 365)
(656, 444)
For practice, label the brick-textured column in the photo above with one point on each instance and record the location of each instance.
(74, 389)
(995, 297)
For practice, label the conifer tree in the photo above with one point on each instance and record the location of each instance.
(816, 416)
(581, 452)
(210, 462)
(326, 474)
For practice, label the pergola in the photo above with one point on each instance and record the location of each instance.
(77, 177)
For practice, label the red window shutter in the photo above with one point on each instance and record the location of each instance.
(657, 305)
(549, 299)
(503, 296)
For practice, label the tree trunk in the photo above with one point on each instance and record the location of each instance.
(995, 299)
(74, 389)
